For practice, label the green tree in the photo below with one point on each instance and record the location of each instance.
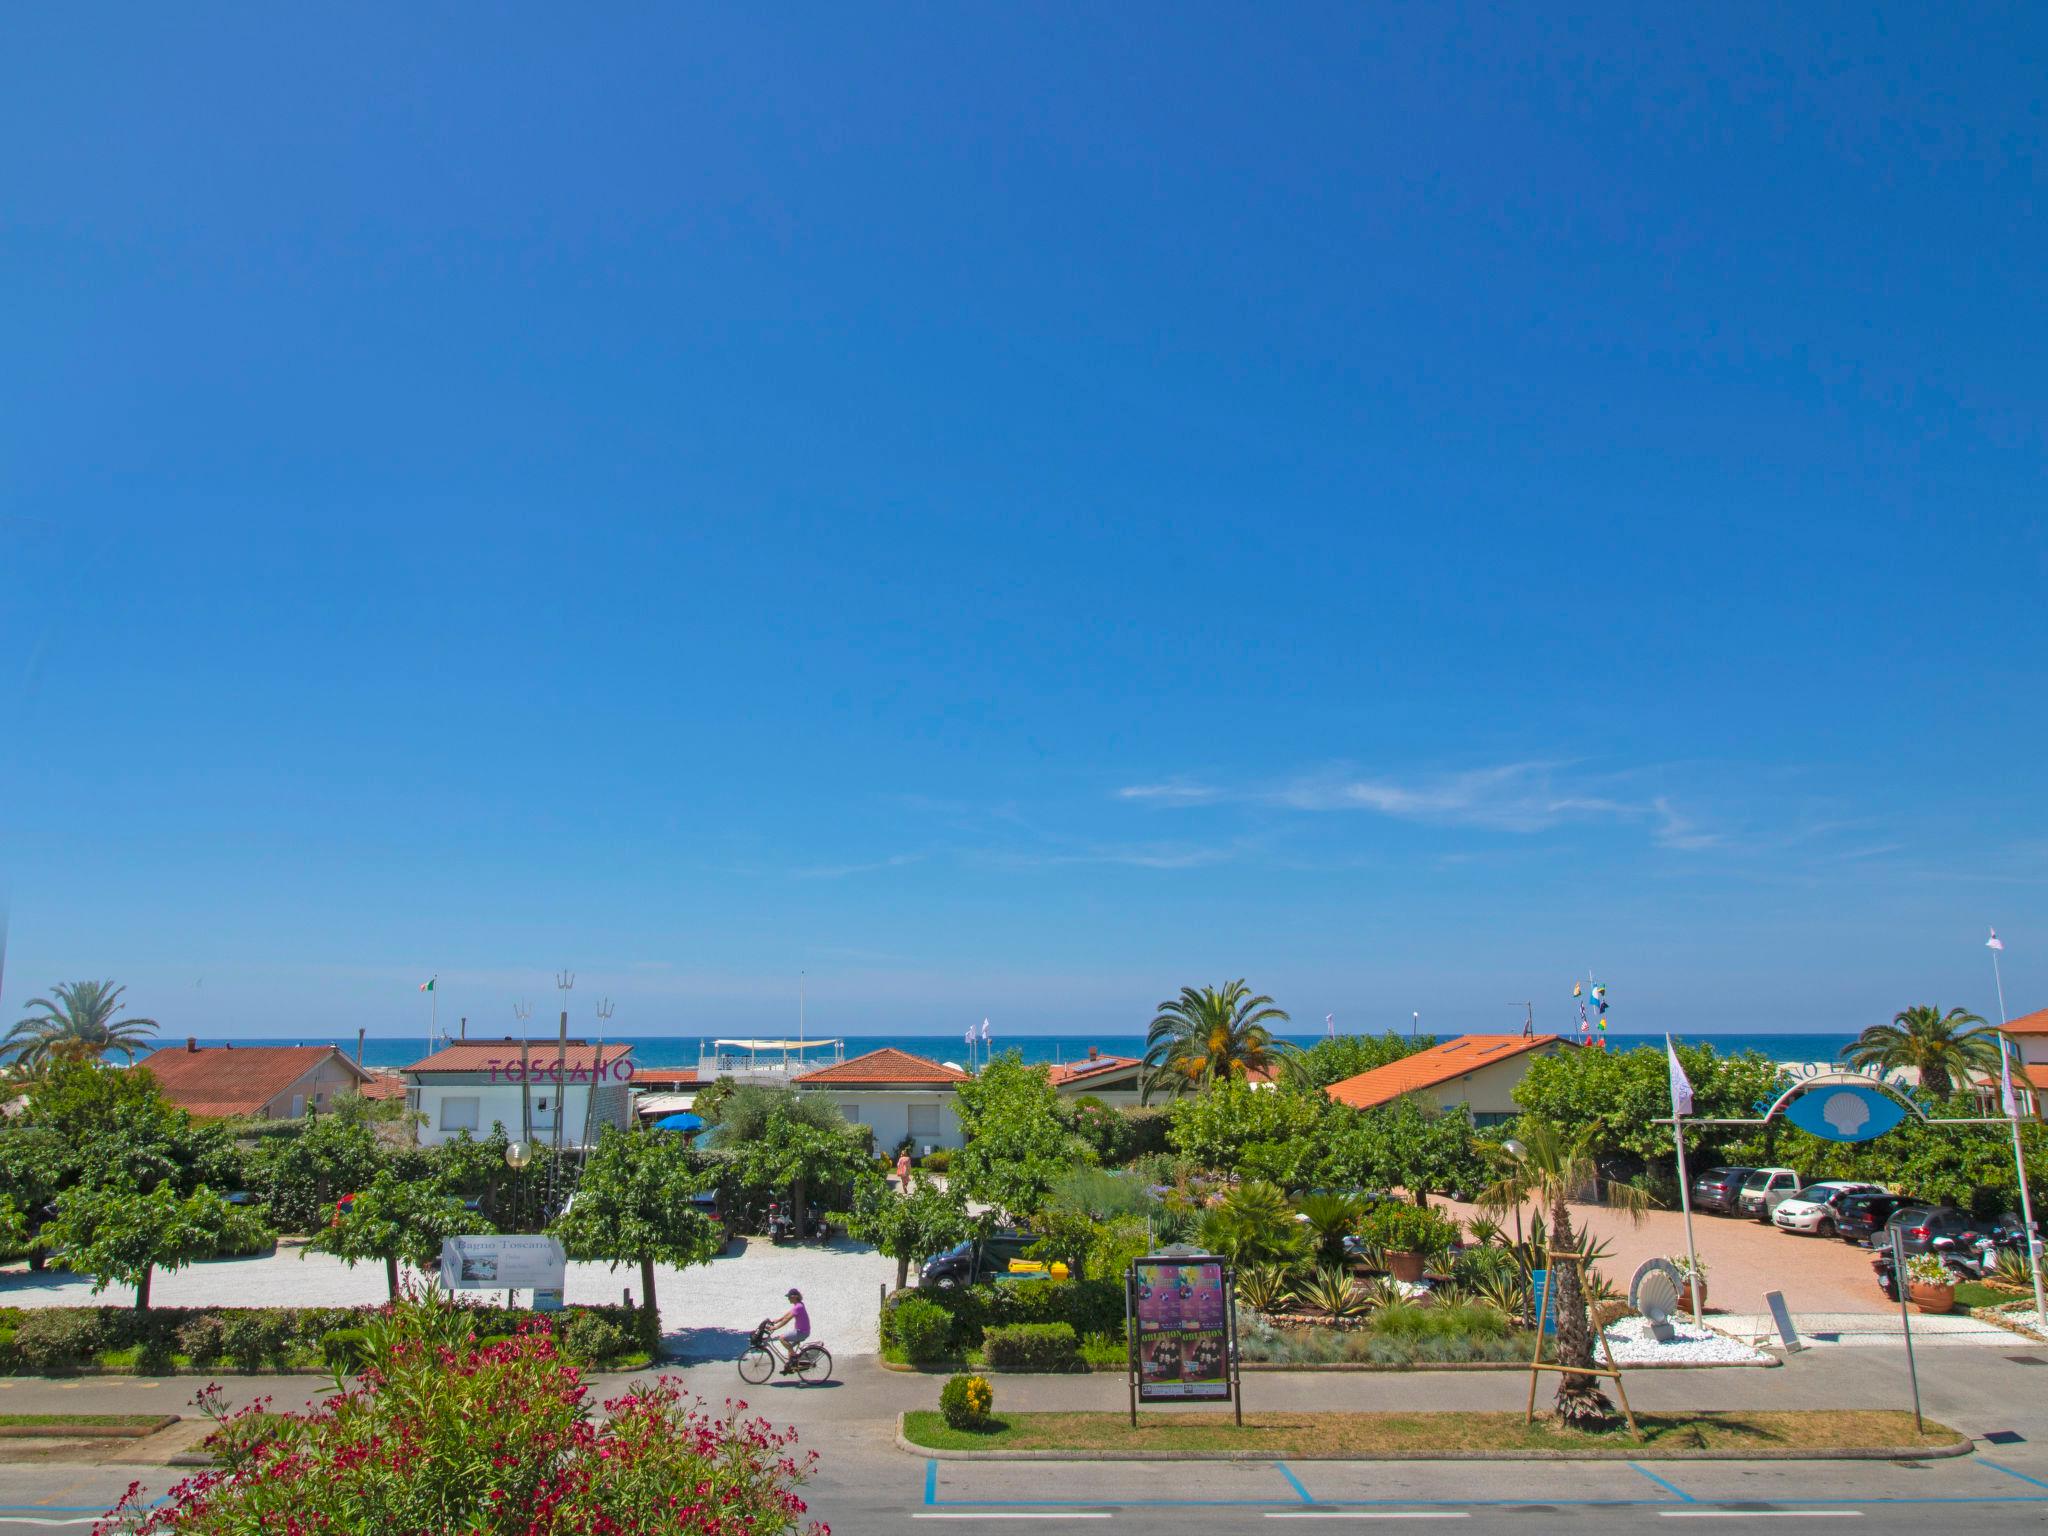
(396, 1219)
(1064, 1237)
(785, 1140)
(301, 1176)
(36, 1164)
(1210, 1033)
(635, 1206)
(116, 1233)
(1409, 1143)
(121, 1130)
(1625, 1096)
(512, 1199)
(1254, 1133)
(1018, 1144)
(1310, 1069)
(926, 1221)
(1254, 1224)
(78, 1026)
(1944, 1048)
(1556, 1168)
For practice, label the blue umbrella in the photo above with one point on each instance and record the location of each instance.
(682, 1122)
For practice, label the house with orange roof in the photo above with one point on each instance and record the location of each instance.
(530, 1087)
(1115, 1080)
(2028, 1036)
(895, 1094)
(262, 1082)
(1476, 1073)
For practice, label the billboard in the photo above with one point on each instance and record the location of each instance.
(503, 1263)
(1181, 1316)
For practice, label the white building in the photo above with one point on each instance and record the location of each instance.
(896, 1095)
(1115, 1080)
(526, 1086)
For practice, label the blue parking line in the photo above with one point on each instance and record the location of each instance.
(931, 1479)
(1293, 1482)
(1672, 1488)
(2009, 1472)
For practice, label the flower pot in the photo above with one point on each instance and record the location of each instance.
(1406, 1267)
(1931, 1298)
(1685, 1297)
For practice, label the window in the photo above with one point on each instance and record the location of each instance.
(298, 1105)
(924, 1119)
(459, 1114)
(852, 1113)
(544, 1112)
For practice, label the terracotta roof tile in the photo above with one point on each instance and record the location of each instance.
(384, 1085)
(1439, 1064)
(1095, 1066)
(887, 1065)
(2035, 1023)
(221, 1080)
(496, 1055)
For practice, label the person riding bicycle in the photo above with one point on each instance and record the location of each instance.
(799, 1320)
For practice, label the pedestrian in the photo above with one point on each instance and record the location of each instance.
(903, 1170)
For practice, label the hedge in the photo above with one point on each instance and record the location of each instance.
(1085, 1306)
(1032, 1347)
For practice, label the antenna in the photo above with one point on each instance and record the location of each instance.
(604, 1009)
(1528, 1020)
(522, 1011)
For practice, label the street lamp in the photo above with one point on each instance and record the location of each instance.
(1517, 1151)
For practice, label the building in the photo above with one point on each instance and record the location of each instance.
(659, 1091)
(526, 1086)
(1477, 1073)
(895, 1094)
(2029, 1038)
(1115, 1080)
(265, 1082)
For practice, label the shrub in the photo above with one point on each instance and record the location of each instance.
(58, 1339)
(591, 1338)
(937, 1161)
(923, 1328)
(1032, 1347)
(1397, 1228)
(252, 1337)
(199, 1338)
(343, 1348)
(967, 1401)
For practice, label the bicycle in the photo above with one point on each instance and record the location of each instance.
(763, 1357)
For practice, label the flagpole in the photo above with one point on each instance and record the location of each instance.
(1692, 1257)
(2019, 1153)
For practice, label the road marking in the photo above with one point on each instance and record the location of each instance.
(1370, 1514)
(1293, 1482)
(1761, 1514)
(34, 1520)
(2009, 1472)
(1018, 1514)
(1671, 1488)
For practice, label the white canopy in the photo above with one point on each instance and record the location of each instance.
(775, 1045)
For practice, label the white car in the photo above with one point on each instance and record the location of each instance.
(1812, 1209)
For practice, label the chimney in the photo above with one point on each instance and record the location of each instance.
(1094, 1052)
(191, 1043)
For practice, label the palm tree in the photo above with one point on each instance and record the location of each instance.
(1944, 1048)
(1209, 1035)
(79, 1026)
(1554, 1168)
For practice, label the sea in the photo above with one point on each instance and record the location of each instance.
(650, 1051)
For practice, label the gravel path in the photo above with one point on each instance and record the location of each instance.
(706, 1311)
(1692, 1345)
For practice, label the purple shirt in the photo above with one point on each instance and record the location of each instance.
(800, 1321)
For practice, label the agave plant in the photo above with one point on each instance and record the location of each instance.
(1487, 1234)
(1330, 1292)
(1507, 1294)
(1449, 1293)
(1264, 1287)
(1379, 1292)
(1330, 1219)
(2014, 1272)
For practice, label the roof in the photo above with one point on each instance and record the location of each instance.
(887, 1066)
(495, 1055)
(812, 1044)
(671, 1079)
(223, 1080)
(1094, 1066)
(1439, 1064)
(2036, 1074)
(2035, 1023)
(384, 1085)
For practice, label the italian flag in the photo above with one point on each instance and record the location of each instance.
(426, 986)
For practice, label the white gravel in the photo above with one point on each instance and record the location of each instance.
(1630, 1340)
(706, 1311)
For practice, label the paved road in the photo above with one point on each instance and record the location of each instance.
(869, 1486)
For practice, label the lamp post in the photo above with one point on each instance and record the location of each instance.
(1517, 1151)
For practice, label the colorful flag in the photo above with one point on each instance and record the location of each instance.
(1584, 1024)
(1681, 1085)
(1994, 942)
(426, 986)
(1576, 991)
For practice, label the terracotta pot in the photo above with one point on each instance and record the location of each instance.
(1406, 1267)
(1931, 1298)
(1685, 1297)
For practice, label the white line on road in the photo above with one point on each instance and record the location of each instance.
(1761, 1514)
(1020, 1514)
(1371, 1514)
(39, 1520)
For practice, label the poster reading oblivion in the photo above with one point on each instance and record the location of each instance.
(1183, 1315)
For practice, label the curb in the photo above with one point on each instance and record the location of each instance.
(1360, 1367)
(85, 1431)
(1960, 1447)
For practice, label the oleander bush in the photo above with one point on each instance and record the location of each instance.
(1032, 1347)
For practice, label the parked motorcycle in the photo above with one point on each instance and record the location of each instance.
(777, 1225)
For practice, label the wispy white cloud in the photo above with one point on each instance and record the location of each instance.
(1174, 791)
(1128, 855)
(842, 871)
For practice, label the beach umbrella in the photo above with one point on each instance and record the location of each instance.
(681, 1122)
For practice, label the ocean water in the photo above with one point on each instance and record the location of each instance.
(682, 1051)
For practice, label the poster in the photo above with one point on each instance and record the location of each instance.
(1181, 1308)
(502, 1263)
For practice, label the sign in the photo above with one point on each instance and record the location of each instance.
(1181, 1311)
(502, 1263)
(1846, 1112)
(545, 1300)
(1539, 1282)
(1775, 1300)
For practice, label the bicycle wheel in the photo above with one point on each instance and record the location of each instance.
(814, 1365)
(757, 1365)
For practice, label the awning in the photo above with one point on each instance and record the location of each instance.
(776, 1045)
(683, 1122)
(663, 1103)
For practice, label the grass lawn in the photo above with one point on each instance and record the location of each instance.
(41, 1420)
(1381, 1434)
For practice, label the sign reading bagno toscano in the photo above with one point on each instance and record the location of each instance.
(502, 1263)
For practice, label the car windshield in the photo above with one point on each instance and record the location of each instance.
(1910, 1216)
(959, 1250)
(1758, 1180)
(1819, 1194)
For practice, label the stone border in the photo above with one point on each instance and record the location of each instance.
(1962, 1446)
(85, 1431)
(1363, 1367)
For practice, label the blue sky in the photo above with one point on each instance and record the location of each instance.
(1013, 513)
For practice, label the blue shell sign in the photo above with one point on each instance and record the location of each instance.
(1846, 1112)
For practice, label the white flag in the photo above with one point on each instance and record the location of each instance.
(1681, 1085)
(984, 1031)
(1994, 942)
(1330, 1024)
(969, 1036)
(2006, 1100)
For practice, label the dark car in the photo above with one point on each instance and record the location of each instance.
(1924, 1226)
(1716, 1189)
(976, 1259)
(1859, 1218)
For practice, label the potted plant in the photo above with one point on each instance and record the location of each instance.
(1686, 1273)
(1929, 1284)
(1408, 1237)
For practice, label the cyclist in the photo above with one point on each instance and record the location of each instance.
(799, 1320)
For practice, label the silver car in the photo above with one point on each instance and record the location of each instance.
(1764, 1189)
(1812, 1209)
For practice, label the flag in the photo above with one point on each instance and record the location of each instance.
(1584, 1024)
(1681, 1085)
(427, 986)
(1576, 990)
(1330, 1025)
(2006, 1099)
(1994, 942)
(984, 1031)
(969, 1036)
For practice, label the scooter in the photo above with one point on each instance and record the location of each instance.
(778, 1226)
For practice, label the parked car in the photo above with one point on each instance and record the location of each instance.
(1859, 1218)
(1764, 1188)
(1718, 1189)
(982, 1258)
(1926, 1226)
(1812, 1209)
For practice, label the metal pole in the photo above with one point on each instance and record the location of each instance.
(1905, 1319)
(1692, 1256)
(1236, 1379)
(2019, 1155)
(1131, 1339)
